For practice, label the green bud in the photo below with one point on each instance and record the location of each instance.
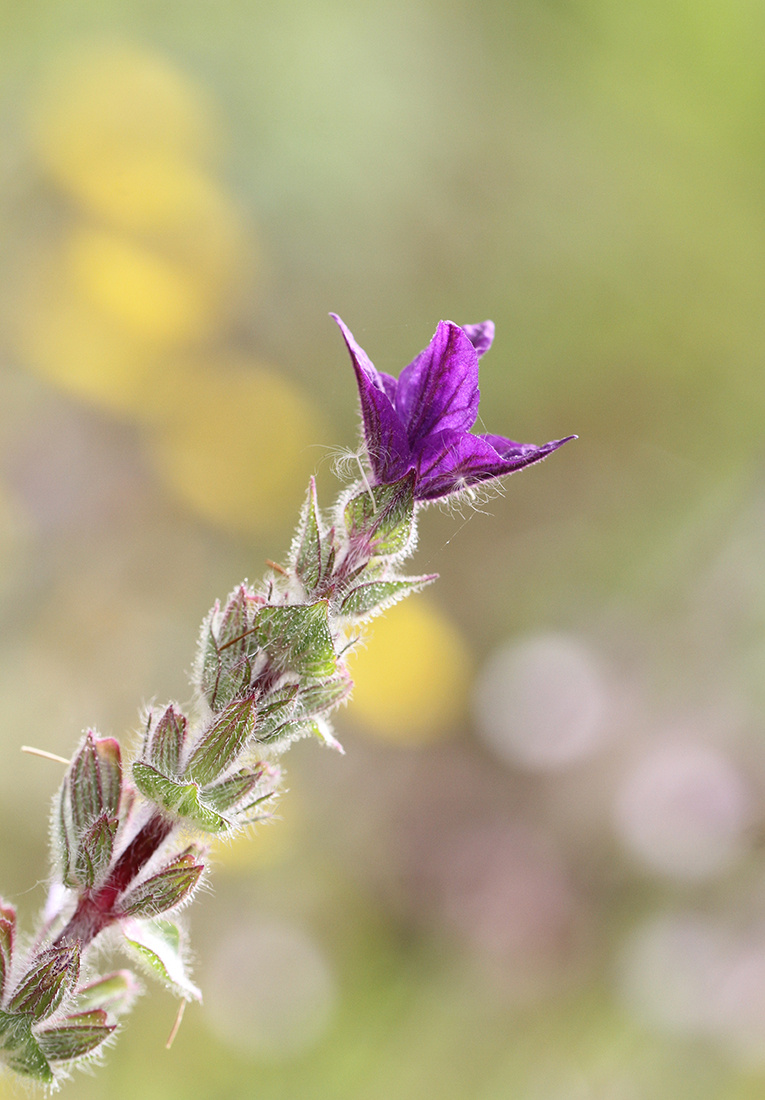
(44, 986)
(226, 648)
(164, 742)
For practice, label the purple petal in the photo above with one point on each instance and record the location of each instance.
(452, 461)
(384, 434)
(481, 336)
(438, 391)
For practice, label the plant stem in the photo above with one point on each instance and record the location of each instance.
(96, 910)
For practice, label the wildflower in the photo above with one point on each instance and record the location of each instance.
(422, 420)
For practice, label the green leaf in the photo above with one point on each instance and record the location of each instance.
(297, 639)
(7, 933)
(375, 596)
(77, 1036)
(385, 515)
(308, 551)
(20, 1051)
(158, 945)
(46, 984)
(223, 741)
(164, 742)
(165, 890)
(179, 799)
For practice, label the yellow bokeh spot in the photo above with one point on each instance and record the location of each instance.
(101, 101)
(235, 440)
(411, 677)
(158, 299)
(177, 204)
(70, 341)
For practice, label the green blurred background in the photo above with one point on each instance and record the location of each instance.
(538, 872)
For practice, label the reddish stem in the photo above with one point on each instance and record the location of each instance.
(97, 909)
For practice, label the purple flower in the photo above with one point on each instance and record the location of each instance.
(422, 420)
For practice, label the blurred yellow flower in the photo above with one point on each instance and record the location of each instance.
(102, 101)
(236, 440)
(71, 341)
(153, 296)
(411, 677)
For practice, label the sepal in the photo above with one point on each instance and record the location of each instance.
(222, 742)
(76, 1036)
(166, 890)
(366, 600)
(384, 515)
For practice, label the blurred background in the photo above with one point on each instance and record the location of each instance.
(538, 873)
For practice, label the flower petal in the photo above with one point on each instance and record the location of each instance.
(481, 336)
(384, 434)
(438, 391)
(452, 461)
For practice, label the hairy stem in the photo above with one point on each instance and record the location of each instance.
(96, 910)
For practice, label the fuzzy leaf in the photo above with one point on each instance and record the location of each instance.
(77, 1036)
(165, 890)
(385, 514)
(158, 945)
(164, 742)
(297, 639)
(180, 799)
(44, 986)
(223, 741)
(20, 1051)
(7, 933)
(371, 598)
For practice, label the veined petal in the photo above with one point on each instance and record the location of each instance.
(481, 336)
(384, 434)
(452, 461)
(438, 391)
